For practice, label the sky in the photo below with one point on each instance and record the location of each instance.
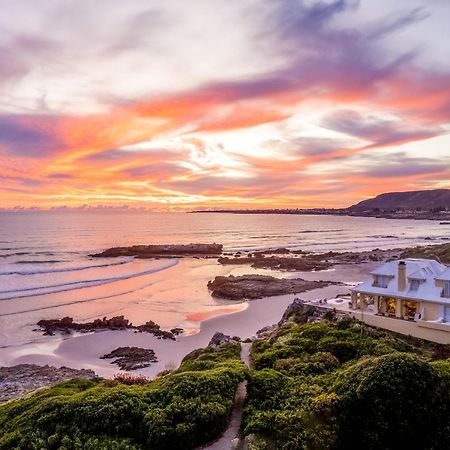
(181, 104)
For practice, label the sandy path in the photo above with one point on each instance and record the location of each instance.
(230, 439)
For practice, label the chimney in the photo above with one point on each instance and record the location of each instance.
(401, 278)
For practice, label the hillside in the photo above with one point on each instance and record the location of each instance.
(436, 198)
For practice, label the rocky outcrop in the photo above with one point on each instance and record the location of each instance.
(131, 358)
(298, 312)
(258, 286)
(219, 339)
(66, 325)
(298, 264)
(16, 381)
(301, 261)
(439, 252)
(163, 251)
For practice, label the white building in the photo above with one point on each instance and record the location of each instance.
(411, 289)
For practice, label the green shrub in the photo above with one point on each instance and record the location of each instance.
(339, 385)
(182, 410)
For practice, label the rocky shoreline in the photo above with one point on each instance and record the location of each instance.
(18, 380)
(163, 251)
(251, 287)
(302, 261)
(66, 325)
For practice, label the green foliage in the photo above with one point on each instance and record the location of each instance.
(182, 410)
(342, 386)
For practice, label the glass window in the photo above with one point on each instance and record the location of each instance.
(414, 285)
(382, 281)
(447, 289)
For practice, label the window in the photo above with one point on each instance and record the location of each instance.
(381, 281)
(446, 292)
(414, 285)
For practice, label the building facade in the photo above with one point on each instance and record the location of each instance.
(416, 290)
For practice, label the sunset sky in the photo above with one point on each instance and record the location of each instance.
(181, 104)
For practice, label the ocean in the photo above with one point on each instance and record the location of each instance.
(44, 252)
(46, 271)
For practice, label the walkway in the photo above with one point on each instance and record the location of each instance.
(229, 439)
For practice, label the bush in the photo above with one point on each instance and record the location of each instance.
(394, 398)
(185, 409)
(340, 386)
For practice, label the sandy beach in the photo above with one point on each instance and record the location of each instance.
(187, 279)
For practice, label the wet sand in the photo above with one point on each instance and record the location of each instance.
(176, 296)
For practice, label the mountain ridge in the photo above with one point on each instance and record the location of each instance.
(422, 199)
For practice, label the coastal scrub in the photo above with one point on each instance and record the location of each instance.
(184, 409)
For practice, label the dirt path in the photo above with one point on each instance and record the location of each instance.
(229, 439)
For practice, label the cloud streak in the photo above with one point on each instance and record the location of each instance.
(315, 88)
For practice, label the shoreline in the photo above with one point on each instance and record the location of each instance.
(201, 321)
(332, 212)
(241, 319)
(84, 351)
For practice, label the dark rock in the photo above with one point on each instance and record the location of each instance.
(177, 331)
(66, 325)
(262, 260)
(219, 339)
(265, 331)
(132, 358)
(298, 312)
(258, 286)
(166, 250)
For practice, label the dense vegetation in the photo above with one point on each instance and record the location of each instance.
(180, 410)
(336, 385)
(329, 385)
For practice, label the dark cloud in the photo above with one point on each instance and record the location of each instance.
(60, 176)
(29, 135)
(402, 169)
(379, 131)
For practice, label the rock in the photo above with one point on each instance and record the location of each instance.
(66, 325)
(18, 380)
(258, 286)
(265, 331)
(166, 250)
(132, 358)
(177, 331)
(219, 339)
(298, 312)
(262, 260)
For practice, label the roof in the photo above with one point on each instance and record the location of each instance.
(425, 270)
(444, 276)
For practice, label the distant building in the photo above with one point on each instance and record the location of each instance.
(411, 289)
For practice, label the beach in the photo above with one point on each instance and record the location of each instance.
(46, 273)
(242, 319)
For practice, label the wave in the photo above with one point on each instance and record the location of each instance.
(64, 287)
(74, 302)
(8, 255)
(45, 261)
(64, 269)
(319, 231)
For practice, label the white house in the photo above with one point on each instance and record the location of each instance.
(411, 289)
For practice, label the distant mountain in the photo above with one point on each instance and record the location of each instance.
(406, 200)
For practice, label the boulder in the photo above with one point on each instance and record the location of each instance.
(219, 339)
(131, 358)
